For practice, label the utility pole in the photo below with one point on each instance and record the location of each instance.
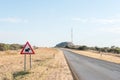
(72, 35)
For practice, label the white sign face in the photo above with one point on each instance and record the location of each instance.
(27, 49)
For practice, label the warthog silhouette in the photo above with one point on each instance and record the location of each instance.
(27, 50)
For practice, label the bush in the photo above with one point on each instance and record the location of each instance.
(83, 48)
(4, 47)
(15, 47)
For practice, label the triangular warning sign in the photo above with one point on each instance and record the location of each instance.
(27, 49)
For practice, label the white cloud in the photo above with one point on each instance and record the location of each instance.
(115, 30)
(97, 20)
(80, 19)
(107, 21)
(13, 20)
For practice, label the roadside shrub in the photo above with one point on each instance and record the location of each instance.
(3, 47)
(83, 48)
(15, 47)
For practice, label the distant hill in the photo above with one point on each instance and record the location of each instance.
(65, 44)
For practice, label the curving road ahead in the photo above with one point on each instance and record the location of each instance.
(87, 68)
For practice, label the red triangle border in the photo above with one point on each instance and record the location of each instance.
(27, 43)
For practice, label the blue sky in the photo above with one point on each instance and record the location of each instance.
(48, 22)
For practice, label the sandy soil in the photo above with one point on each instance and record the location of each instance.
(47, 64)
(103, 56)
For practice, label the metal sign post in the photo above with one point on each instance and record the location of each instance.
(24, 62)
(30, 62)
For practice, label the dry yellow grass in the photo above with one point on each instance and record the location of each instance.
(105, 56)
(47, 64)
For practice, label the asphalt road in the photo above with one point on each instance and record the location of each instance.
(87, 68)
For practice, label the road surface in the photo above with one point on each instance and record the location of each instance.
(87, 68)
